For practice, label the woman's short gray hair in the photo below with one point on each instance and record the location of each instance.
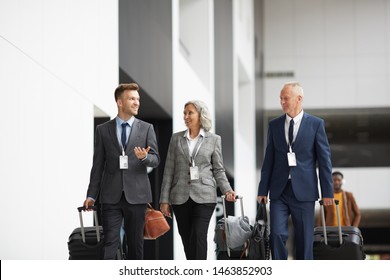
(204, 113)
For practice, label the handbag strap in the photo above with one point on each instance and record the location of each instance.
(262, 212)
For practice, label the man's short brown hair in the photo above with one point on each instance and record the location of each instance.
(122, 87)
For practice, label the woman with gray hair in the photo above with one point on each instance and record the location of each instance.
(193, 170)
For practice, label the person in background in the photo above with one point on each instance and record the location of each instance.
(124, 148)
(193, 170)
(349, 211)
(296, 145)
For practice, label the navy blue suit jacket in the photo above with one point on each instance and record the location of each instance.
(312, 150)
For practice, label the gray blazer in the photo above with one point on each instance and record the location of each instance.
(107, 179)
(177, 186)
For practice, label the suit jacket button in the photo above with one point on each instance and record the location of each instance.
(189, 182)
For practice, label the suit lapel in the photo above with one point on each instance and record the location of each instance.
(184, 147)
(281, 132)
(301, 128)
(205, 138)
(184, 144)
(133, 134)
(113, 135)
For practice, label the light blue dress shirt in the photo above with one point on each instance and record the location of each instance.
(119, 122)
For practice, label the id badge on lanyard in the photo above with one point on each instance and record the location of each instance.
(123, 161)
(292, 160)
(194, 171)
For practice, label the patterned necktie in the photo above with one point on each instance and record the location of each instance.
(123, 138)
(290, 132)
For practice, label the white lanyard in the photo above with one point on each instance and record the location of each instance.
(118, 133)
(196, 149)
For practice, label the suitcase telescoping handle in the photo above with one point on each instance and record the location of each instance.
(94, 208)
(224, 205)
(338, 221)
(225, 216)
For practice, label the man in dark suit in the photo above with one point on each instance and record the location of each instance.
(296, 144)
(124, 148)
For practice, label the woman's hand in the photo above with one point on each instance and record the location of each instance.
(165, 209)
(230, 196)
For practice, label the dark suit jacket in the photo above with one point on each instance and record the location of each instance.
(311, 148)
(106, 177)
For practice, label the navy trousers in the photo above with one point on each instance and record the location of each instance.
(302, 214)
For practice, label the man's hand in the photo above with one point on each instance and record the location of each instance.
(326, 201)
(88, 203)
(262, 198)
(141, 153)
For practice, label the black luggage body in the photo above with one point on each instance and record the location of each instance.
(339, 242)
(89, 246)
(350, 249)
(89, 250)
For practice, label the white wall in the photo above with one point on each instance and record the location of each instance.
(196, 36)
(339, 51)
(245, 175)
(58, 60)
(368, 186)
(189, 80)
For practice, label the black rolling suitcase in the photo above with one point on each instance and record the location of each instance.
(337, 243)
(221, 237)
(86, 243)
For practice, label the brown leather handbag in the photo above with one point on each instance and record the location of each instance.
(155, 223)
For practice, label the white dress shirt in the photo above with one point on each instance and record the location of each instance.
(297, 124)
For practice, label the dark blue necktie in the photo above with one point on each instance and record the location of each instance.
(123, 138)
(291, 132)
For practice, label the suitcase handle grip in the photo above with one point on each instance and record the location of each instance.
(335, 202)
(82, 208)
(236, 197)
